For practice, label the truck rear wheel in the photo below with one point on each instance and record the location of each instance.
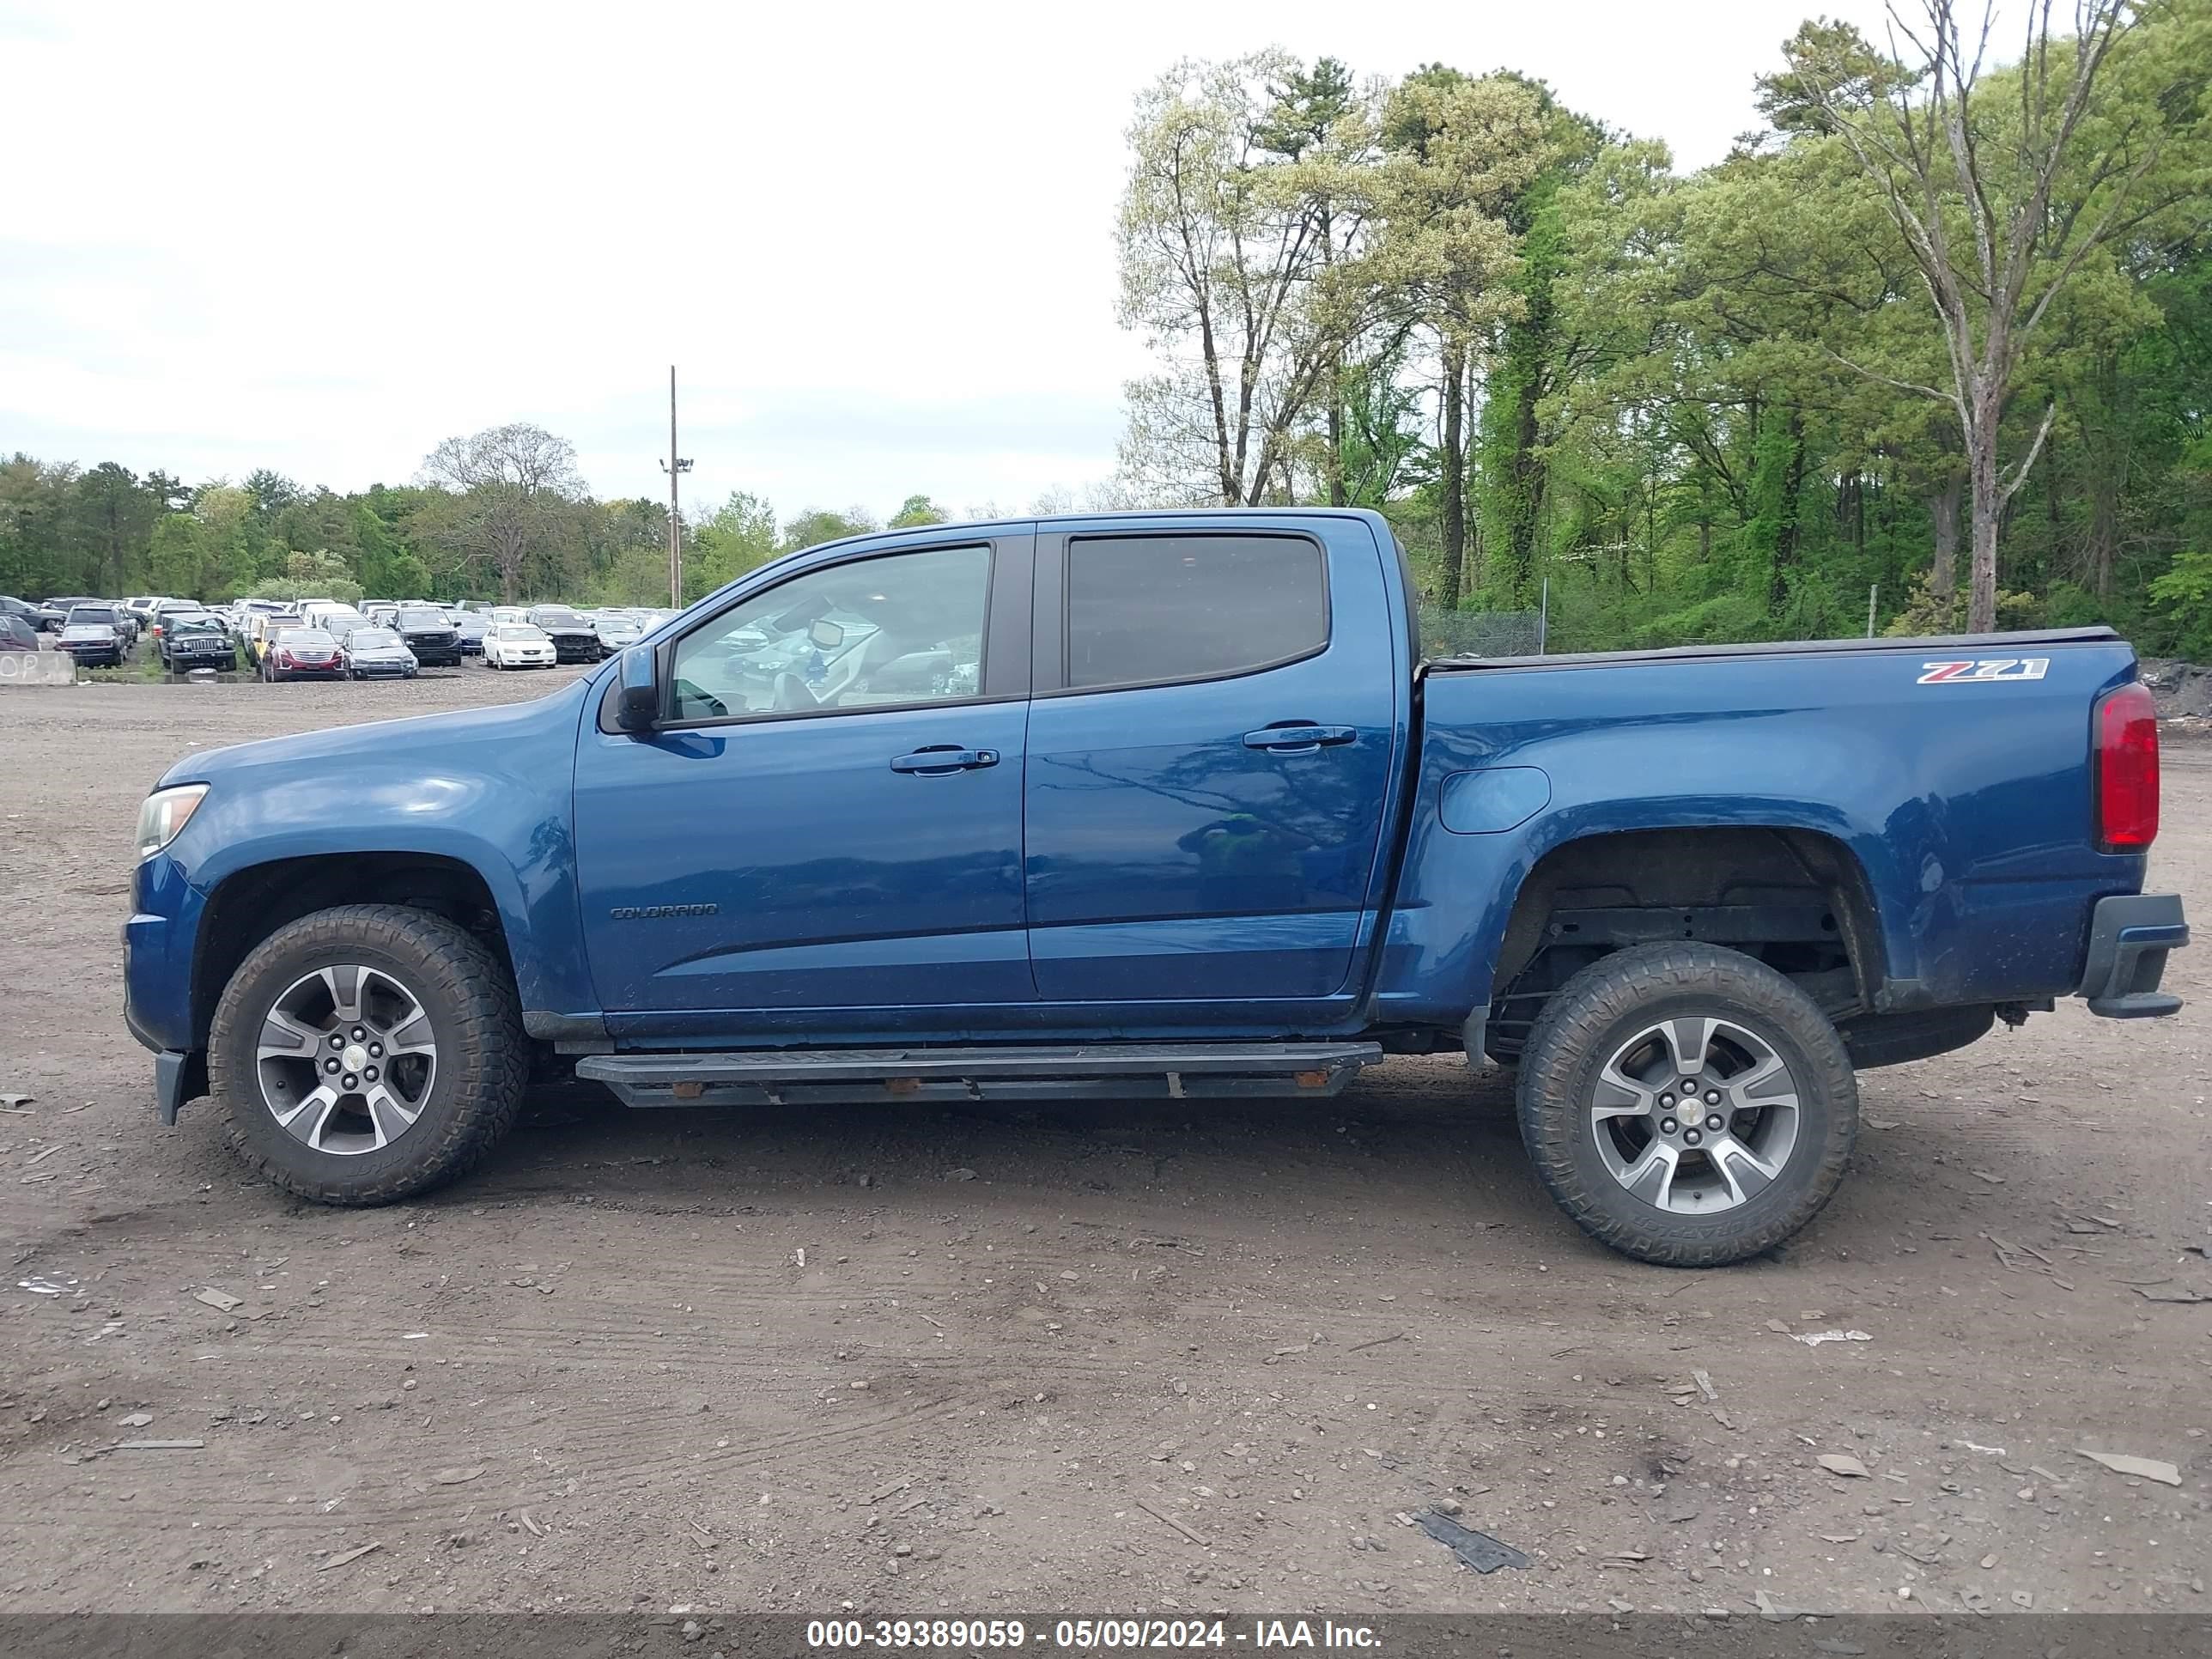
(1686, 1105)
(368, 1053)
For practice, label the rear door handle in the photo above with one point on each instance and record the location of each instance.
(1297, 737)
(939, 759)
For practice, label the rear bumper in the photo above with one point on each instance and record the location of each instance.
(2130, 935)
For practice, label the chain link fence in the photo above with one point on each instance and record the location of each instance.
(1481, 633)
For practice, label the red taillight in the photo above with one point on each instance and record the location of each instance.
(2127, 771)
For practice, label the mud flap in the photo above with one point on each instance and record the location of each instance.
(178, 1078)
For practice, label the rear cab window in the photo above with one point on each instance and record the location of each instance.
(1155, 610)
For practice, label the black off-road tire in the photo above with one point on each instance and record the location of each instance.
(1585, 1022)
(484, 1057)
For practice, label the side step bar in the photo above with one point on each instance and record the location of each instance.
(1161, 1071)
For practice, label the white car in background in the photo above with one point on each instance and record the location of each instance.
(334, 617)
(517, 645)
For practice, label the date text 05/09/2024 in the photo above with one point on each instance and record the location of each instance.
(1087, 1635)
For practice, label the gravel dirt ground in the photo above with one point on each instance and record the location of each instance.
(1063, 1359)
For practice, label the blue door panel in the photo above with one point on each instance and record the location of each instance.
(1171, 855)
(834, 881)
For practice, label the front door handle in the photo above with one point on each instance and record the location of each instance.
(1297, 737)
(938, 759)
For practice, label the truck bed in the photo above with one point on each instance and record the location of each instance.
(1975, 643)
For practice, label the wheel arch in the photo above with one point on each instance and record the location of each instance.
(251, 902)
(1798, 898)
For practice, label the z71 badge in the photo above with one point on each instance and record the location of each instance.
(1984, 668)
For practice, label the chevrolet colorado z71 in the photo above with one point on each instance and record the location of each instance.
(1165, 804)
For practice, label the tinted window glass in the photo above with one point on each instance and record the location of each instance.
(906, 628)
(1144, 609)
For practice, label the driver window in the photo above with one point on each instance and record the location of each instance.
(906, 628)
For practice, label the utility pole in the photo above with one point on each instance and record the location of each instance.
(675, 468)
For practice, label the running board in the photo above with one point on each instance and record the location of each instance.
(1163, 1071)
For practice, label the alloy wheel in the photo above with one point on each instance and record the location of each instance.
(346, 1058)
(1695, 1115)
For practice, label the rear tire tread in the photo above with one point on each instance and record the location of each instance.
(1622, 987)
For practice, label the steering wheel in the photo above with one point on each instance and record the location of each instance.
(792, 695)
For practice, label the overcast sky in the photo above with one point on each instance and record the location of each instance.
(875, 239)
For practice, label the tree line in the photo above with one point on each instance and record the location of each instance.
(1940, 329)
(501, 514)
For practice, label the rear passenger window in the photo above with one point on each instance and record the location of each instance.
(1144, 609)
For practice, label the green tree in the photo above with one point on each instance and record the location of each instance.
(1234, 255)
(507, 490)
(740, 536)
(917, 511)
(2000, 200)
(1458, 153)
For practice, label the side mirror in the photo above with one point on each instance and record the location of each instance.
(637, 703)
(826, 635)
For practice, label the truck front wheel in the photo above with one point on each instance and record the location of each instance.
(1686, 1105)
(366, 1053)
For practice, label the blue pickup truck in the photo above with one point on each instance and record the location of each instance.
(1163, 804)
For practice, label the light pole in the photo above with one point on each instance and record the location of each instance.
(674, 467)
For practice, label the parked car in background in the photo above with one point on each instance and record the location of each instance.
(297, 653)
(430, 635)
(23, 608)
(193, 639)
(262, 629)
(94, 637)
(16, 634)
(157, 618)
(142, 610)
(518, 645)
(468, 628)
(617, 629)
(241, 613)
(573, 638)
(509, 613)
(334, 617)
(376, 654)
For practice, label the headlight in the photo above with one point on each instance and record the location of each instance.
(165, 814)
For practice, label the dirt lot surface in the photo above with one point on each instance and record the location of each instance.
(1063, 1359)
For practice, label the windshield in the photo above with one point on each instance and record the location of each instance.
(92, 615)
(371, 639)
(422, 617)
(311, 639)
(192, 622)
(557, 616)
(520, 631)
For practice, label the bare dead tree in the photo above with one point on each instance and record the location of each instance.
(1995, 203)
